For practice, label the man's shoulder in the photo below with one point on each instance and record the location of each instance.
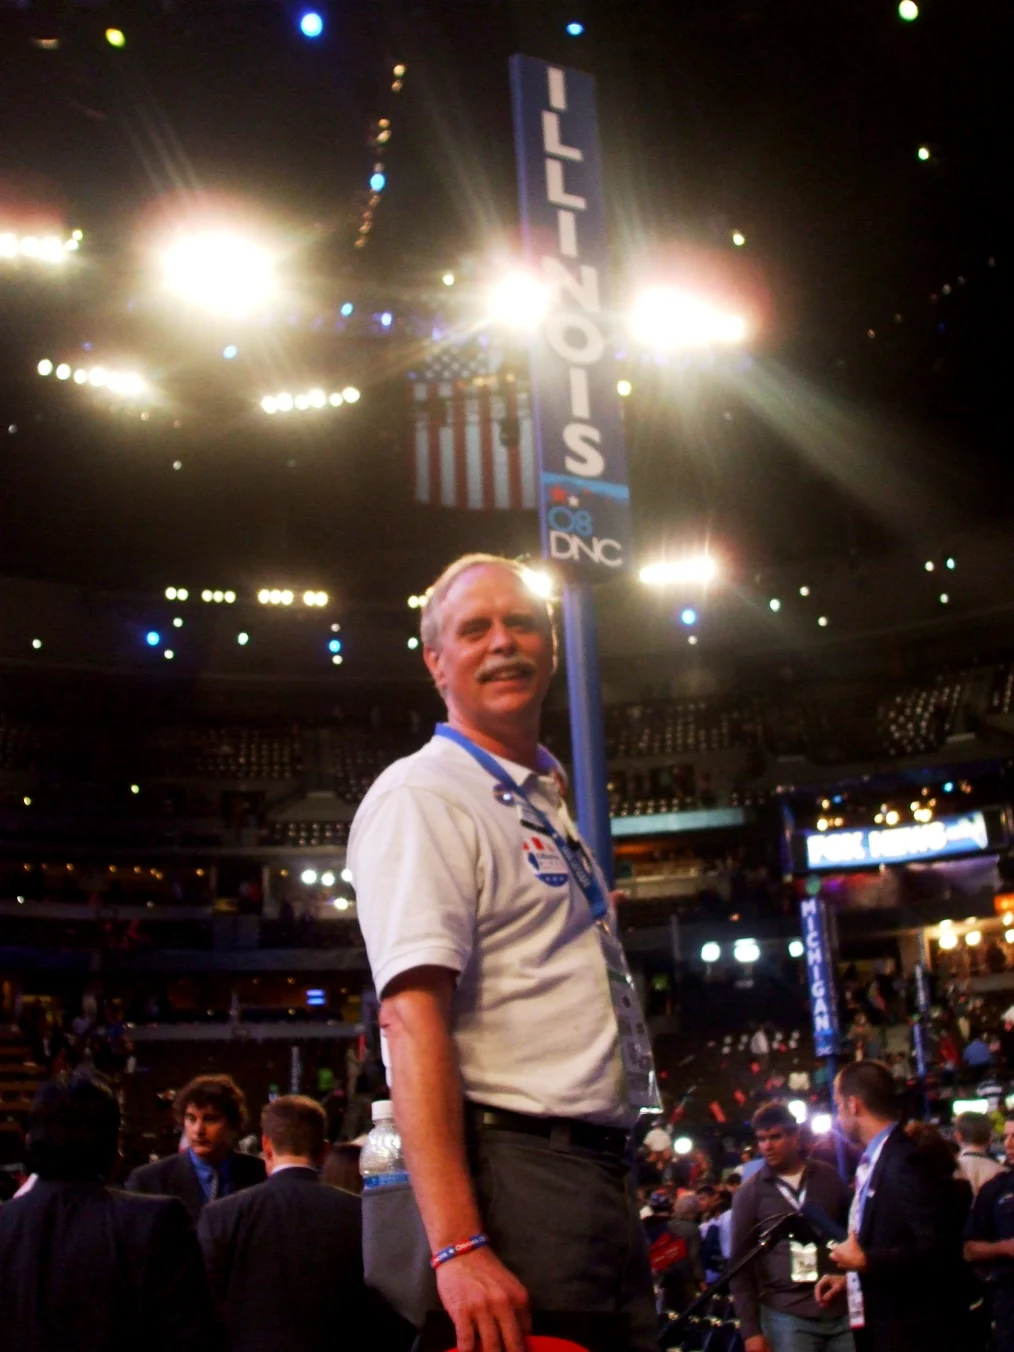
(158, 1171)
(435, 775)
(995, 1187)
(248, 1170)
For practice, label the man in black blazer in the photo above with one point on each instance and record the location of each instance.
(902, 1258)
(285, 1257)
(86, 1268)
(211, 1111)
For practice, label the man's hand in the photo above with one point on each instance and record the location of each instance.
(849, 1254)
(488, 1304)
(828, 1289)
(758, 1343)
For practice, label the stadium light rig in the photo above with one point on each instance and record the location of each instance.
(50, 249)
(219, 270)
(217, 597)
(311, 399)
(126, 384)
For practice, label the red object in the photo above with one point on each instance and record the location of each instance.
(715, 1109)
(666, 1251)
(538, 1343)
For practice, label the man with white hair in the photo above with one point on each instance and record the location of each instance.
(517, 1051)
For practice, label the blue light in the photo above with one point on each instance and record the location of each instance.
(335, 646)
(387, 319)
(229, 352)
(377, 182)
(689, 616)
(347, 308)
(575, 29)
(949, 787)
(311, 25)
(152, 639)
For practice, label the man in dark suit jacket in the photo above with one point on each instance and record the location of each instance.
(902, 1258)
(285, 1257)
(86, 1268)
(211, 1111)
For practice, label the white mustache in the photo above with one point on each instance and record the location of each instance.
(521, 666)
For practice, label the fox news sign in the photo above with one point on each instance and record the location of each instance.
(897, 844)
(584, 499)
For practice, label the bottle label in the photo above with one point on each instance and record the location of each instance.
(393, 1180)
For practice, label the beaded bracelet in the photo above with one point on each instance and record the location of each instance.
(456, 1250)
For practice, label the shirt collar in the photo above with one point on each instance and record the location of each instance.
(280, 1168)
(869, 1154)
(205, 1171)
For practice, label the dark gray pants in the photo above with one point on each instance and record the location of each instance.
(565, 1221)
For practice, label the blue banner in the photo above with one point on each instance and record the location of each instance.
(897, 844)
(820, 975)
(584, 499)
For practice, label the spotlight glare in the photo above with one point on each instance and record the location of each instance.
(350, 394)
(334, 645)
(97, 377)
(284, 403)
(908, 10)
(682, 1145)
(538, 582)
(947, 939)
(63, 371)
(377, 182)
(287, 598)
(668, 320)
(448, 279)
(973, 938)
(798, 1110)
(153, 638)
(170, 593)
(177, 623)
(688, 617)
(308, 876)
(347, 309)
(413, 643)
(242, 639)
(230, 598)
(337, 659)
(944, 598)
(821, 1124)
(774, 604)
(624, 388)
(738, 238)
(923, 153)
(804, 591)
(699, 568)
(796, 949)
(711, 952)
(302, 402)
(230, 352)
(519, 301)
(80, 377)
(45, 367)
(219, 271)
(822, 621)
(311, 25)
(115, 37)
(168, 654)
(346, 875)
(317, 398)
(746, 951)
(335, 400)
(36, 643)
(387, 319)
(575, 29)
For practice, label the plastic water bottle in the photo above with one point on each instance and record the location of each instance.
(381, 1162)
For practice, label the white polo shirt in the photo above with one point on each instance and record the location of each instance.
(448, 875)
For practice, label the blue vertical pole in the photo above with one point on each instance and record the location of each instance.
(587, 733)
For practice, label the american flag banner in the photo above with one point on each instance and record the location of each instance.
(472, 440)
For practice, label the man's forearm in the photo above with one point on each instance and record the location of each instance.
(986, 1250)
(427, 1096)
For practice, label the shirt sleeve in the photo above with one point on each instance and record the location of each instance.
(744, 1287)
(980, 1224)
(415, 862)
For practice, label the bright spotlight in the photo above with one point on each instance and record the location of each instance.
(538, 582)
(36, 643)
(63, 371)
(682, 1145)
(347, 309)
(519, 301)
(80, 377)
(45, 367)
(624, 388)
(317, 398)
(168, 654)
(97, 377)
(701, 568)
(973, 938)
(218, 597)
(746, 951)
(135, 788)
(302, 402)
(448, 279)
(774, 604)
(230, 598)
(346, 875)
(798, 1110)
(822, 621)
(287, 598)
(308, 876)
(230, 352)
(350, 394)
(377, 181)
(908, 10)
(947, 940)
(327, 879)
(182, 594)
(668, 320)
(796, 949)
(923, 153)
(951, 564)
(738, 238)
(152, 638)
(115, 37)
(334, 645)
(688, 616)
(387, 319)
(284, 403)
(821, 1124)
(242, 639)
(337, 659)
(177, 623)
(275, 596)
(311, 25)
(575, 29)
(711, 952)
(219, 271)
(170, 593)
(413, 643)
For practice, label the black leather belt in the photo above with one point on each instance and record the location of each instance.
(564, 1131)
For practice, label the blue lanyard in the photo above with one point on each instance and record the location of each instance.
(573, 857)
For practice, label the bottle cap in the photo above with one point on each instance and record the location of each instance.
(383, 1110)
